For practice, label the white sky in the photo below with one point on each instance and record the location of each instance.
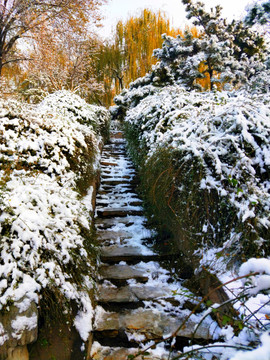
(117, 10)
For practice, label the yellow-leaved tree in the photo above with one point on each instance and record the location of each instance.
(129, 55)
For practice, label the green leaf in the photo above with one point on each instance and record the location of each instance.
(233, 181)
(225, 320)
(240, 325)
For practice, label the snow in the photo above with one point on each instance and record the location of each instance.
(87, 199)
(255, 265)
(22, 323)
(227, 134)
(42, 212)
(84, 318)
(262, 352)
(3, 335)
(261, 280)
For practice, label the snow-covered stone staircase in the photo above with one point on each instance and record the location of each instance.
(138, 301)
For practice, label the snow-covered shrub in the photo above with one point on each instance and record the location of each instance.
(215, 149)
(49, 156)
(72, 106)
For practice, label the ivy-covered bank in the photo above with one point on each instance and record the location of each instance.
(49, 165)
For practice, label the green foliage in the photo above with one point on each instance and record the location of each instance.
(43, 342)
(222, 54)
(258, 14)
(177, 205)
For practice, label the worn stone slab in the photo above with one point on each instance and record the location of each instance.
(113, 235)
(117, 197)
(131, 293)
(114, 182)
(117, 134)
(119, 141)
(152, 324)
(122, 272)
(118, 212)
(124, 253)
(99, 352)
(113, 190)
(114, 153)
(146, 292)
(107, 321)
(115, 176)
(116, 295)
(108, 163)
(109, 222)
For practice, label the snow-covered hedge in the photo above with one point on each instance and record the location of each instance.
(221, 141)
(49, 157)
(71, 106)
(204, 161)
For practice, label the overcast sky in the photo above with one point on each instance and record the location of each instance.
(121, 10)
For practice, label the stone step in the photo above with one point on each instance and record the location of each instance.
(117, 140)
(122, 272)
(108, 294)
(99, 352)
(153, 324)
(115, 177)
(105, 202)
(132, 293)
(110, 222)
(117, 134)
(103, 235)
(114, 182)
(116, 159)
(116, 253)
(108, 163)
(113, 253)
(101, 204)
(118, 212)
(117, 189)
(111, 191)
(114, 148)
(124, 200)
(114, 152)
(120, 196)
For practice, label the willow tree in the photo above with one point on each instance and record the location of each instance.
(137, 38)
(129, 55)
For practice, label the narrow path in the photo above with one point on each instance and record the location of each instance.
(138, 299)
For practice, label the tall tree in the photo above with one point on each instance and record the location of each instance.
(137, 38)
(61, 60)
(129, 55)
(18, 18)
(223, 53)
